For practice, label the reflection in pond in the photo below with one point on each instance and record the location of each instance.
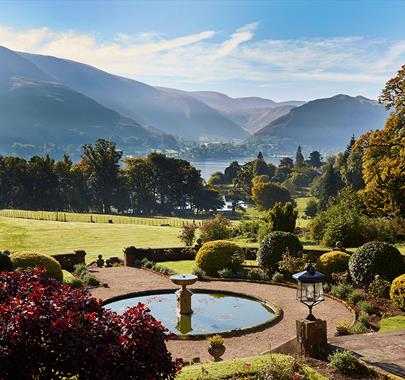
(212, 312)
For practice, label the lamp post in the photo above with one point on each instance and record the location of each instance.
(311, 332)
(310, 288)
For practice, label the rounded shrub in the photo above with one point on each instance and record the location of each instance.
(274, 245)
(26, 260)
(216, 255)
(373, 258)
(397, 292)
(5, 263)
(333, 262)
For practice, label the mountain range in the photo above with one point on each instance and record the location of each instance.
(61, 103)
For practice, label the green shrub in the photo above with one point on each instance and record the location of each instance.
(274, 245)
(257, 274)
(287, 369)
(227, 273)
(343, 361)
(162, 269)
(379, 287)
(250, 228)
(341, 291)
(355, 296)
(216, 255)
(282, 217)
(187, 234)
(199, 272)
(311, 208)
(278, 277)
(81, 271)
(341, 277)
(361, 326)
(365, 307)
(333, 262)
(5, 263)
(343, 327)
(73, 281)
(217, 228)
(289, 265)
(397, 292)
(375, 258)
(30, 260)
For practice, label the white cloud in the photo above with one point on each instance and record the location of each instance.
(199, 58)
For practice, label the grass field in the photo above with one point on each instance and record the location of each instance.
(247, 367)
(94, 238)
(392, 323)
(96, 218)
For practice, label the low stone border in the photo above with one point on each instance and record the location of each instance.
(277, 317)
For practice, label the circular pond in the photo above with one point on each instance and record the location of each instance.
(213, 312)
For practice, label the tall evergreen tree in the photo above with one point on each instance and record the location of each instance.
(315, 159)
(299, 157)
(330, 184)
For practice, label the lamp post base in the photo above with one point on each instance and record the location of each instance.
(312, 337)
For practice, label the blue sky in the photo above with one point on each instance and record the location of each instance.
(279, 50)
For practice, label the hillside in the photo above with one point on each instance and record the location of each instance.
(35, 112)
(251, 113)
(178, 114)
(323, 123)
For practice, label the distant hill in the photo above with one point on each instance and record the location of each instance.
(174, 113)
(323, 123)
(250, 113)
(36, 111)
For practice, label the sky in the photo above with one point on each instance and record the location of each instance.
(280, 50)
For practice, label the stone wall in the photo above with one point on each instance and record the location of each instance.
(69, 260)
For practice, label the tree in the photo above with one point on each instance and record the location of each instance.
(329, 185)
(232, 171)
(260, 168)
(349, 149)
(265, 195)
(311, 208)
(299, 158)
(260, 156)
(101, 163)
(282, 217)
(217, 178)
(384, 155)
(393, 94)
(286, 162)
(315, 159)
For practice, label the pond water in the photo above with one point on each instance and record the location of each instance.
(212, 312)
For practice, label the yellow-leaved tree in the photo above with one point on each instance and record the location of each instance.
(384, 155)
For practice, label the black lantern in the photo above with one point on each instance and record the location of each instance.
(310, 288)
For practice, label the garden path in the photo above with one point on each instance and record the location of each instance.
(385, 350)
(122, 280)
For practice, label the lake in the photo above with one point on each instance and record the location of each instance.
(212, 166)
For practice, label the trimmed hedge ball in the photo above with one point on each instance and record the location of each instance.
(216, 255)
(274, 245)
(333, 262)
(397, 292)
(375, 257)
(5, 263)
(26, 260)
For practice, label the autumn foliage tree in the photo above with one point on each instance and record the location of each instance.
(384, 155)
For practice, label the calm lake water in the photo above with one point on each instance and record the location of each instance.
(209, 167)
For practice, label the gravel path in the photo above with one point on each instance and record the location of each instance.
(122, 280)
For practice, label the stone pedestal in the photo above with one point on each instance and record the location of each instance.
(183, 296)
(312, 338)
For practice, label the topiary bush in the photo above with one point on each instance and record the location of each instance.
(397, 292)
(374, 258)
(333, 262)
(220, 254)
(30, 260)
(274, 245)
(50, 330)
(5, 263)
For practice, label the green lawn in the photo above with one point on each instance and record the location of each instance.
(301, 205)
(94, 238)
(187, 266)
(246, 366)
(392, 323)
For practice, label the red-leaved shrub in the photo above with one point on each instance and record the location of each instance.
(51, 331)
